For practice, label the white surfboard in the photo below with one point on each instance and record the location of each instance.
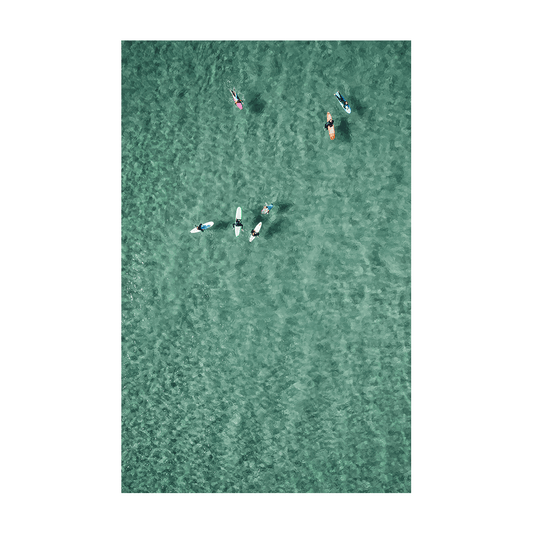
(257, 229)
(238, 216)
(204, 226)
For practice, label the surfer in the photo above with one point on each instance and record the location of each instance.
(328, 124)
(343, 102)
(235, 97)
(199, 227)
(255, 233)
(238, 223)
(266, 209)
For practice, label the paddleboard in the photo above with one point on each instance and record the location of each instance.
(343, 102)
(204, 226)
(266, 209)
(235, 98)
(238, 216)
(257, 229)
(331, 129)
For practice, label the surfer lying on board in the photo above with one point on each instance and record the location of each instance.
(238, 222)
(255, 233)
(238, 100)
(266, 209)
(344, 103)
(328, 124)
(199, 227)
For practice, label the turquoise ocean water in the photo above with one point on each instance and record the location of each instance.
(281, 365)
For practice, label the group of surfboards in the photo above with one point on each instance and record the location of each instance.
(237, 225)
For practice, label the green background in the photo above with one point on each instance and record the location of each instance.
(51, 262)
(281, 365)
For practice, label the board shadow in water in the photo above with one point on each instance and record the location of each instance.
(255, 103)
(282, 208)
(343, 129)
(356, 105)
(271, 229)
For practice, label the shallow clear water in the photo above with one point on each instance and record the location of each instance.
(281, 365)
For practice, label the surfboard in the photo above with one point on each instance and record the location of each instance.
(266, 209)
(343, 102)
(204, 226)
(331, 129)
(238, 216)
(257, 229)
(235, 98)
